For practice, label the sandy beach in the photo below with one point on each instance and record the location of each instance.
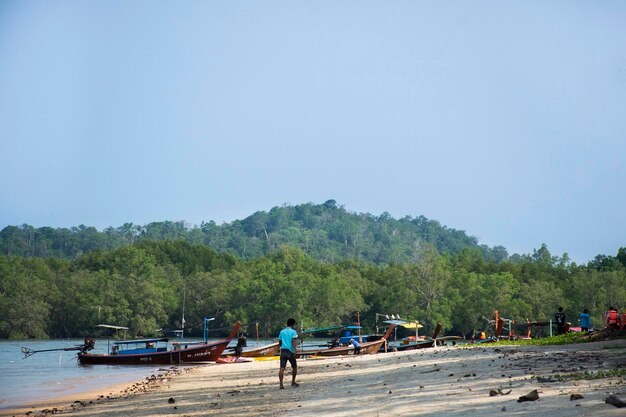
(443, 381)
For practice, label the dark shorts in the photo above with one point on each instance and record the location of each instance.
(287, 355)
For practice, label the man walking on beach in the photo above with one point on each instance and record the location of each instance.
(288, 337)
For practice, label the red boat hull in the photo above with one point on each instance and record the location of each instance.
(202, 352)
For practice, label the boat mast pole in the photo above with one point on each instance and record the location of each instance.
(182, 320)
(204, 325)
(358, 322)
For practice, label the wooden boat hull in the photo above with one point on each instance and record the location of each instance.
(307, 353)
(412, 346)
(263, 351)
(200, 352)
(260, 352)
(367, 348)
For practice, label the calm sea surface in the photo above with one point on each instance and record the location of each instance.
(48, 375)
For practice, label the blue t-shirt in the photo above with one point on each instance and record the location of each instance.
(286, 336)
(585, 321)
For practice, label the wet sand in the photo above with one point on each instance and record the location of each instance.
(443, 381)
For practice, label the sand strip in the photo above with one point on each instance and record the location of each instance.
(441, 381)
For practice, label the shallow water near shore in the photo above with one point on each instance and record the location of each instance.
(48, 375)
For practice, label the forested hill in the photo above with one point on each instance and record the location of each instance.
(326, 232)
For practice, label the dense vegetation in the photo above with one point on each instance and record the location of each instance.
(143, 286)
(326, 232)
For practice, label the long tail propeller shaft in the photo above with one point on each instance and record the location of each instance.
(89, 344)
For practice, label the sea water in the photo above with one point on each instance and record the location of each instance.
(48, 375)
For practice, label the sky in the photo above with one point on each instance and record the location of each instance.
(503, 119)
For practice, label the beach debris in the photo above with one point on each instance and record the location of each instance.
(531, 396)
(613, 400)
(389, 391)
(545, 379)
(494, 392)
(503, 409)
(171, 400)
(575, 397)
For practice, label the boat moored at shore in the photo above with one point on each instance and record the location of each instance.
(148, 351)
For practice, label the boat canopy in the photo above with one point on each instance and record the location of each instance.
(324, 329)
(110, 326)
(137, 341)
(176, 332)
(405, 324)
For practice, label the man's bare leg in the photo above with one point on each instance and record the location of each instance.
(281, 373)
(294, 372)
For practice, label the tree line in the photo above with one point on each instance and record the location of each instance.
(144, 286)
(327, 232)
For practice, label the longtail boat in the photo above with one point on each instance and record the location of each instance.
(258, 352)
(147, 351)
(366, 348)
(418, 344)
(427, 342)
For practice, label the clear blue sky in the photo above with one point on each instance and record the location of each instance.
(503, 119)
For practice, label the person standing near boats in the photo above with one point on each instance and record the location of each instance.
(288, 337)
(585, 321)
(357, 346)
(561, 326)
